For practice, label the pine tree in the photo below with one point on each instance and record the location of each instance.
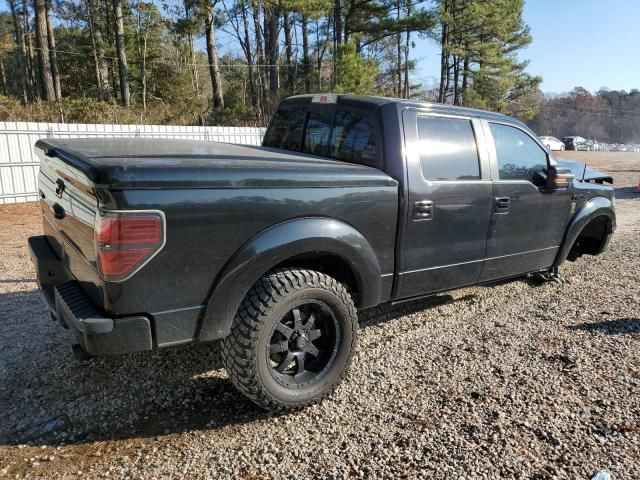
(480, 40)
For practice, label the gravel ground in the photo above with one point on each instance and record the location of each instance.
(516, 380)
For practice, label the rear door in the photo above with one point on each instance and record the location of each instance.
(449, 202)
(528, 221)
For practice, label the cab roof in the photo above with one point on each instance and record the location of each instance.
(374, 103)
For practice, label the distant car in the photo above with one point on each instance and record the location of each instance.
(552, 143)
(585, 146)
(574, 142)
(619, 148)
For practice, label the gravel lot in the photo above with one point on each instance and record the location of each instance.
(516, 380)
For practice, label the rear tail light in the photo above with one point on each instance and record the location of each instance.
(125, 241)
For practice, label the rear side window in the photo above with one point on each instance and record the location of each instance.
(447, 149)
(347, 135)
(316, 137)
(519, 157)
(353, 138)
(286, 129)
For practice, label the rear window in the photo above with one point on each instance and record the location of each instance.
(354, 138)
(341, 134)
(285, 130)
(316, 137)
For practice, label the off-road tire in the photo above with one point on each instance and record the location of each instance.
(244, 350)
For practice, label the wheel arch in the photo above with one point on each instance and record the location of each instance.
(599, 214)
(339, 247)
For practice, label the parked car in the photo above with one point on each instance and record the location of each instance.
(552, 143)
(574, 142)
(619, 148)
(586, 145)
(350, 203)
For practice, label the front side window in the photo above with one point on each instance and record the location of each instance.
(316, 137)
(285, 130)
(353, 138)
(447, 149)
(519, 157)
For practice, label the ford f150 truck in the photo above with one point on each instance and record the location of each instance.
(351, 202)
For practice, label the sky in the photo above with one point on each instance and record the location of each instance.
(587, 43)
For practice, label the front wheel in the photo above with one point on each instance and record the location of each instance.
(292, 339)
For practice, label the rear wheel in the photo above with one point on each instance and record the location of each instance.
(292, 339)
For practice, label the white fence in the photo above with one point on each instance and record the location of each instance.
(19, 165)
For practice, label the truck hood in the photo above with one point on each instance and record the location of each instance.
(584, 173)
(167, 163)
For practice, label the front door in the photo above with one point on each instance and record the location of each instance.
(450, 201)
(528, 221)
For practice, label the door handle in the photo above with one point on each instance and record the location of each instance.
(423, 210)
(502, 204)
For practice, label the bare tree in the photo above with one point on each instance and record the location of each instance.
(122, 54)
(271, 39)
(287, 23)
(3, 75)
(212, 55)
(101, 64)
(22, 53)
(306, 64)
(42, 42)
(31, 62)
(53, 57)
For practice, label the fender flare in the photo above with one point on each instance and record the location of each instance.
(596, 207)
(278, 244)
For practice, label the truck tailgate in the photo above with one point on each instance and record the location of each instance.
(69, 207)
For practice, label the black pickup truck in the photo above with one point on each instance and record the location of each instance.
(350, 203)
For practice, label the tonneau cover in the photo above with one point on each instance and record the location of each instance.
(161, 163)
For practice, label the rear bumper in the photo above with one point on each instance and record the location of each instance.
(98, 334)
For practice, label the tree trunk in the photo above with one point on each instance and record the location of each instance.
(444, 59)
(53, 57)
(337, 22)
(31, 61)
(122, 54)
(142, 55)
(456, 80)
(22, 52)
(261, 76)
(337, 38)
(246, 46)
(46, 78)
(399, 52)
(407, 46)
(271, 16)
(212, 55)
(101, 65)
(288, 42)
(465, 79)
(3, 76)
(305, 54)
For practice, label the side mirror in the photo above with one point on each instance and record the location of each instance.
(558, 178)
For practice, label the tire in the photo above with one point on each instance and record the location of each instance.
(269, 341)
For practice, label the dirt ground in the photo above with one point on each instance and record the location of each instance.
(515, 380)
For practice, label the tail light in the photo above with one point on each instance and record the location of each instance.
(126, 240)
